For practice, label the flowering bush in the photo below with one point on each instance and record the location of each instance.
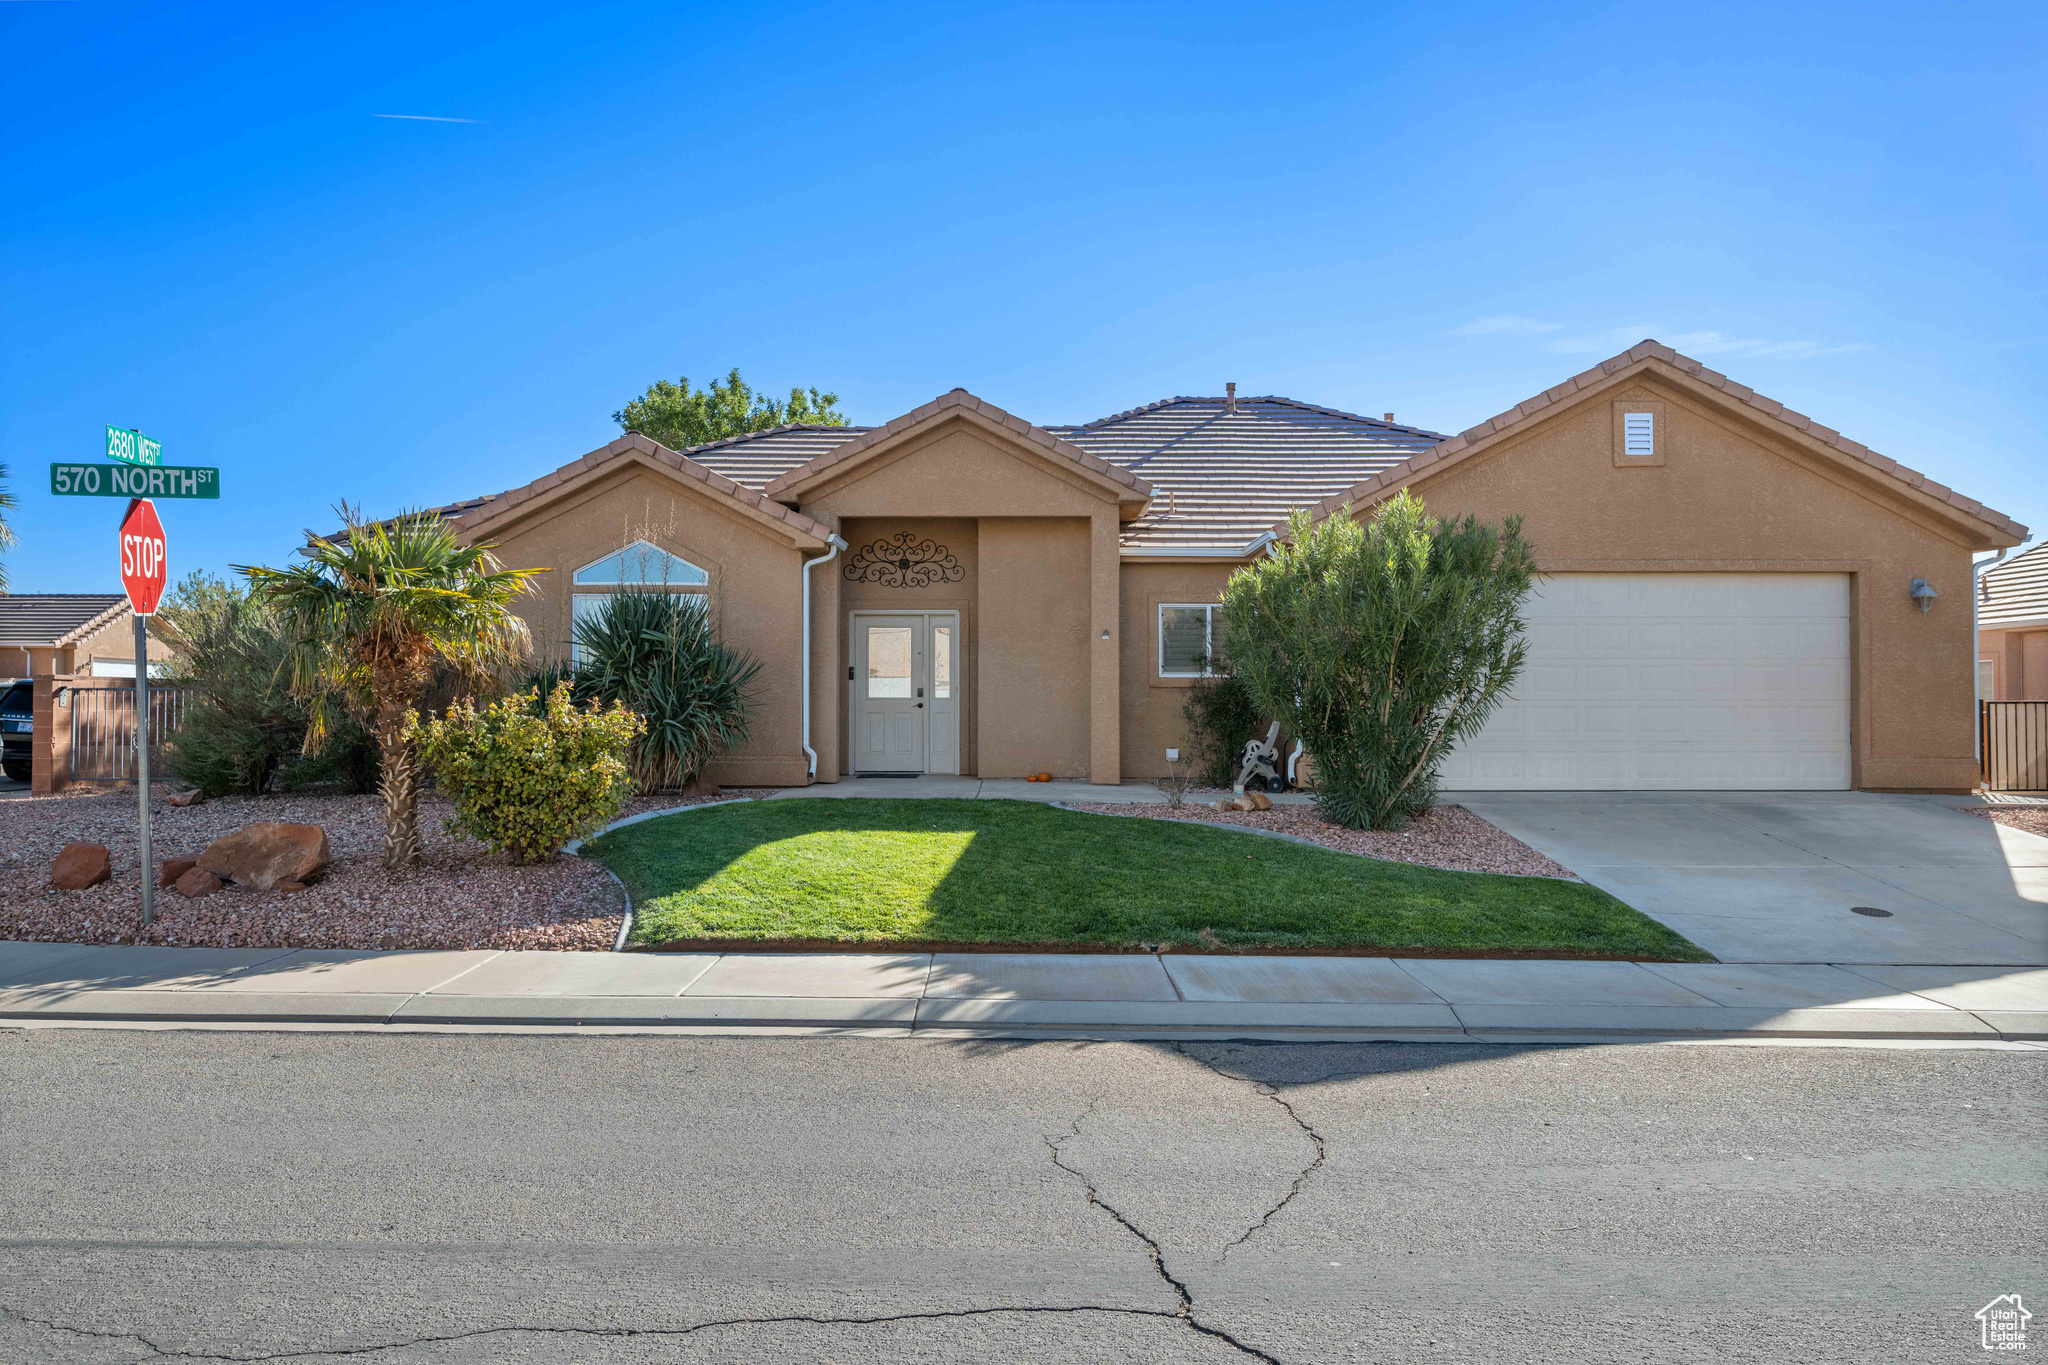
(526, 783)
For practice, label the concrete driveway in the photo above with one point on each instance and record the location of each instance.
(1776, 876)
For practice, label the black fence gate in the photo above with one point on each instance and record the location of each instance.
(2015, 746)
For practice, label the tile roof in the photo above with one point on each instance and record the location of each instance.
(2014, 592)
(1646, 350)
(962, 400)
(481, 510)
(1221, 478)
(1218, 479)
(56, 618)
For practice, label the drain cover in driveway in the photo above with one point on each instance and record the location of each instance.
(1871, 911)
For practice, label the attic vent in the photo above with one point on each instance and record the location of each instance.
(1638, 435)
(1230, 399)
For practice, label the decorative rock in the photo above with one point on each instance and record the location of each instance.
(196, 882)
(265, 855)
(79, 866)
(289, 887)
(187, 798)
(1260, 801)
(170, 869)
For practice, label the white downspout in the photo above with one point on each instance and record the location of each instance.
(810, 754)
(1977, 570)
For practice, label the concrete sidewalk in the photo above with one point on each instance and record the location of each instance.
(1025, 994)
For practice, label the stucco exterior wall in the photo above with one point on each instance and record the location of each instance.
(2020, 664)
(1044, 690)
(1727, 494)
(755, 593)
(1034, 650)
(1152, 720)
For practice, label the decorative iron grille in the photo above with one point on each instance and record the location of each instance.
(904, 560)
(103, 731)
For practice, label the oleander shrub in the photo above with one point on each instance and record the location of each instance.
(526, 781)
(1382, 644)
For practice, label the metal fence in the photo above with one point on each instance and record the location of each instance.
(103, 730)
(2015, 746)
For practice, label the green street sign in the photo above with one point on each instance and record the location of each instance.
(132, 447)
(133, 481)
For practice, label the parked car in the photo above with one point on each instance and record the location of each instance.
(17, 721)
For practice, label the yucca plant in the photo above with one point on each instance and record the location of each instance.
(656, 653)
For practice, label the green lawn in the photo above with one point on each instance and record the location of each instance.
(880, 871)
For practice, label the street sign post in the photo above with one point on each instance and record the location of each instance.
(145, 569)
(134, 481)
(132, 447)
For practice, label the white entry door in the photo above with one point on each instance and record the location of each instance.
(1673, 680)
(905, 702)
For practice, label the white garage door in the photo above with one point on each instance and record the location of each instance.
(1637, 681)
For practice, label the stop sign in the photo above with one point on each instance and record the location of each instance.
(143, 568)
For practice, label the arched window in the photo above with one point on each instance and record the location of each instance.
(642, 565)
(639, 565)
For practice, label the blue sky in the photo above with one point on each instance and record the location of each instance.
(214, 232)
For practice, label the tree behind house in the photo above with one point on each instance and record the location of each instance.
(680, 416)
(1382, 645)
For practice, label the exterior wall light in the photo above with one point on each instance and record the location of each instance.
(1923, 594)
(1105, 635)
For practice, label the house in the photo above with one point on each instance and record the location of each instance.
(85, 633)
(1726, 602)
(2012, 629)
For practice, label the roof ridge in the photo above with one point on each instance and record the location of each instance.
(757, 435)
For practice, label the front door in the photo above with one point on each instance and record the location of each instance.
(888, 731)
(906, 693)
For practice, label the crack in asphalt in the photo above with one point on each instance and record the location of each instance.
(1180, 1289)
(783, 1319)
(1271, 1092)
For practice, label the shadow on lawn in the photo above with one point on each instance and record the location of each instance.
(1023, 874)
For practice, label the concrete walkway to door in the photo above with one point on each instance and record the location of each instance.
(1778, 876)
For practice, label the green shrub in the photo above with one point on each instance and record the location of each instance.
(1221, 716)
(242, 731)
(654, 652)
(526, 783)
(1382, 645)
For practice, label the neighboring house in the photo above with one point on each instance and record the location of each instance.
(1726, 601)
(90, 633)
(2012, 629)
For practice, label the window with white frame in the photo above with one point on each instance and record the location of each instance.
(1187, 639)
(640, 565)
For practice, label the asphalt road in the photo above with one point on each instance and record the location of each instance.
(440, 1199)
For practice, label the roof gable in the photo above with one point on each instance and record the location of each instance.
(1684, 370)
(489, 514)
(56, 618)
(842, 459)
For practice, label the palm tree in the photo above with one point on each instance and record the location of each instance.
(369, 615)
(6, 532)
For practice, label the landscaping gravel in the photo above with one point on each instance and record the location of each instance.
(459, 896)
(2032, 819)
(1449, 837)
